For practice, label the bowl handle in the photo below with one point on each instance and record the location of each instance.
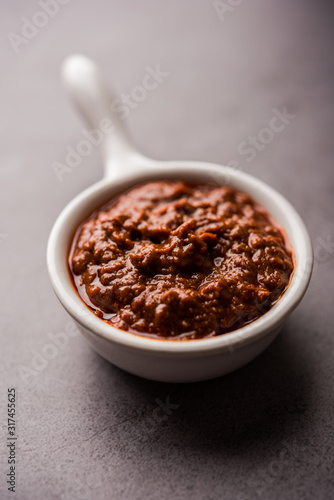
(89, 91)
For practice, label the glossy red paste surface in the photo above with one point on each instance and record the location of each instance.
(179, 260)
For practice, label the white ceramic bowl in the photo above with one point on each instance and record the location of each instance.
(164, 360)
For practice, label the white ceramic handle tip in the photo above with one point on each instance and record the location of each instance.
(89, 91)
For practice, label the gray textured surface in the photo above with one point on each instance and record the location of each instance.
(86, 429)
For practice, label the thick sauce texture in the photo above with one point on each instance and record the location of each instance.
(175, 260)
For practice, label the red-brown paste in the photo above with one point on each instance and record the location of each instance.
(175, 260)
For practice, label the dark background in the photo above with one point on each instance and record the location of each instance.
(85, 428)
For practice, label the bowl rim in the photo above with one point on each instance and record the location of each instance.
(77, 210)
